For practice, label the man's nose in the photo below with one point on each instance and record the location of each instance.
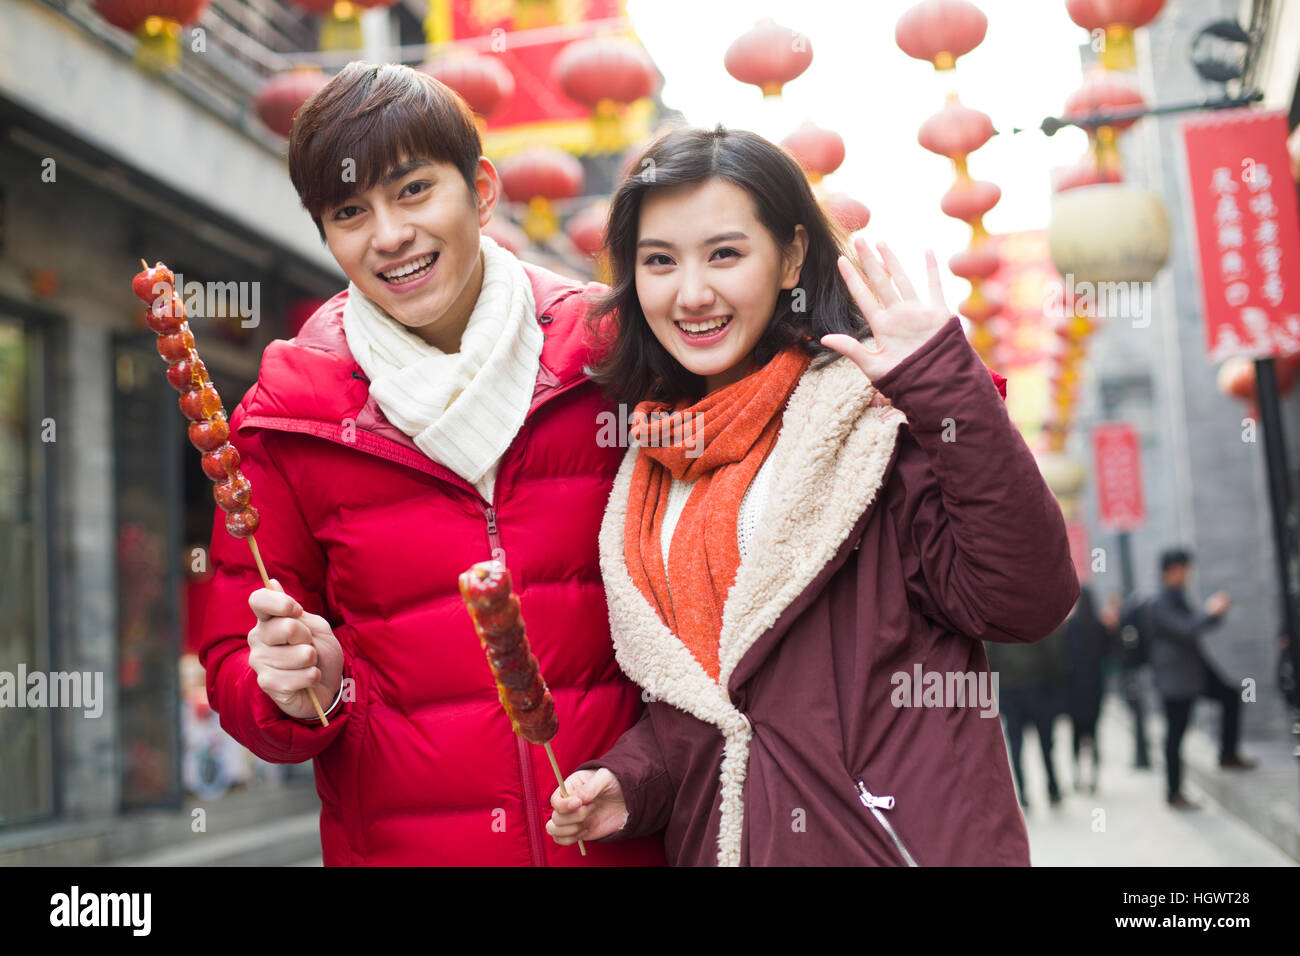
(392, 231)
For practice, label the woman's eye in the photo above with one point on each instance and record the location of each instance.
(728, 249)
(651, 260)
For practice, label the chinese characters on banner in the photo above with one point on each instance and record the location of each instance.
(1117, 470)
(1248, 230)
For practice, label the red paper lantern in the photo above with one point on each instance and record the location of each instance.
(939, 31)
(819, 151)
(542, 171)
(982, 306)
(156, 25)
(1103, 92)
(955, 131)
(587, 228)
(130, 14)
(538, 176)
(969, 199)
(1118, 19)
(1236, 376)
(284, 94)
(1097, 14)
(604, 73)
(977, 263)
(506, 235)
(847, 211)
(1086, 173)
(605, 68)
(483, 82)
(768, 56)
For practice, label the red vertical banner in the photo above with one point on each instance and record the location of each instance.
(1248, 230)
(1117, 470)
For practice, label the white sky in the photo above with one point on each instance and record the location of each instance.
(864, 87)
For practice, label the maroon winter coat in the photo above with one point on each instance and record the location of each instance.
(894, 538)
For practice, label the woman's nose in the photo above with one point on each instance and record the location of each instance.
(694, 292)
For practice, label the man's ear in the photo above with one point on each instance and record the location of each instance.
(487, 189)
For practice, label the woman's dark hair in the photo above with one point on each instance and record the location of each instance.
(635, 363)
(365, 121)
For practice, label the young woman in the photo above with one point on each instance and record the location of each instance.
(433, 415)
(802, 559)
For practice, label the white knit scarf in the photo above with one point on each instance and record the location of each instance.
(462, 409)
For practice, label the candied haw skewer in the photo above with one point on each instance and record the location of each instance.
(490, 600)
(209, 430)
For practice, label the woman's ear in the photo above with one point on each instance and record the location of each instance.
(794, 257)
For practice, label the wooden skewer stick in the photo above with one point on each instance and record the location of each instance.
(266, 581)
(261, 569)
(560, 779)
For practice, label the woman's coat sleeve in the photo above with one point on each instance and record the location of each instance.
(643, 777)
(983, 541)
(295, 560)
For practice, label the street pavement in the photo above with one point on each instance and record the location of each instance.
(1127, 822)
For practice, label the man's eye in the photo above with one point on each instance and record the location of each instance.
(342, 213)
(650, 260)
(418, 187)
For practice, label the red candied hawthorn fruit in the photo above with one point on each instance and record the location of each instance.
(200, 404)
(243, 523)
(176, 346)
(187, 374)
(166, 315)
(220, 463)
(146, 284)
(209, 435)
(233, 494)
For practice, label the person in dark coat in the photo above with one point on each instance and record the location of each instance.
(1031, 689)
(803, 584)
(1182, 672)
(1090, 635)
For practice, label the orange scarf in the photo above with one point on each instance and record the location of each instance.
(719, 443)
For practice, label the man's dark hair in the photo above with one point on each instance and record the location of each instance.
(1173, 558)
(368, 119)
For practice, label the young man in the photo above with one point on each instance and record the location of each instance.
(433, 415)
(1183, 673)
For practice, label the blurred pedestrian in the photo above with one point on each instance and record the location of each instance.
(1031, 691)
(1090, 636)
(1135, 658)
(1183, 673)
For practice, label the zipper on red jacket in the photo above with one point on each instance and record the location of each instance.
(530, 802)
(533, 818)
(494, 536)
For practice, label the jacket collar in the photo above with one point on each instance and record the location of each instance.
(829, 462)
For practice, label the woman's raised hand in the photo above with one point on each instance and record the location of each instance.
(900, 321)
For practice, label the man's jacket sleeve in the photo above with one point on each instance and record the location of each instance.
(295, 560)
